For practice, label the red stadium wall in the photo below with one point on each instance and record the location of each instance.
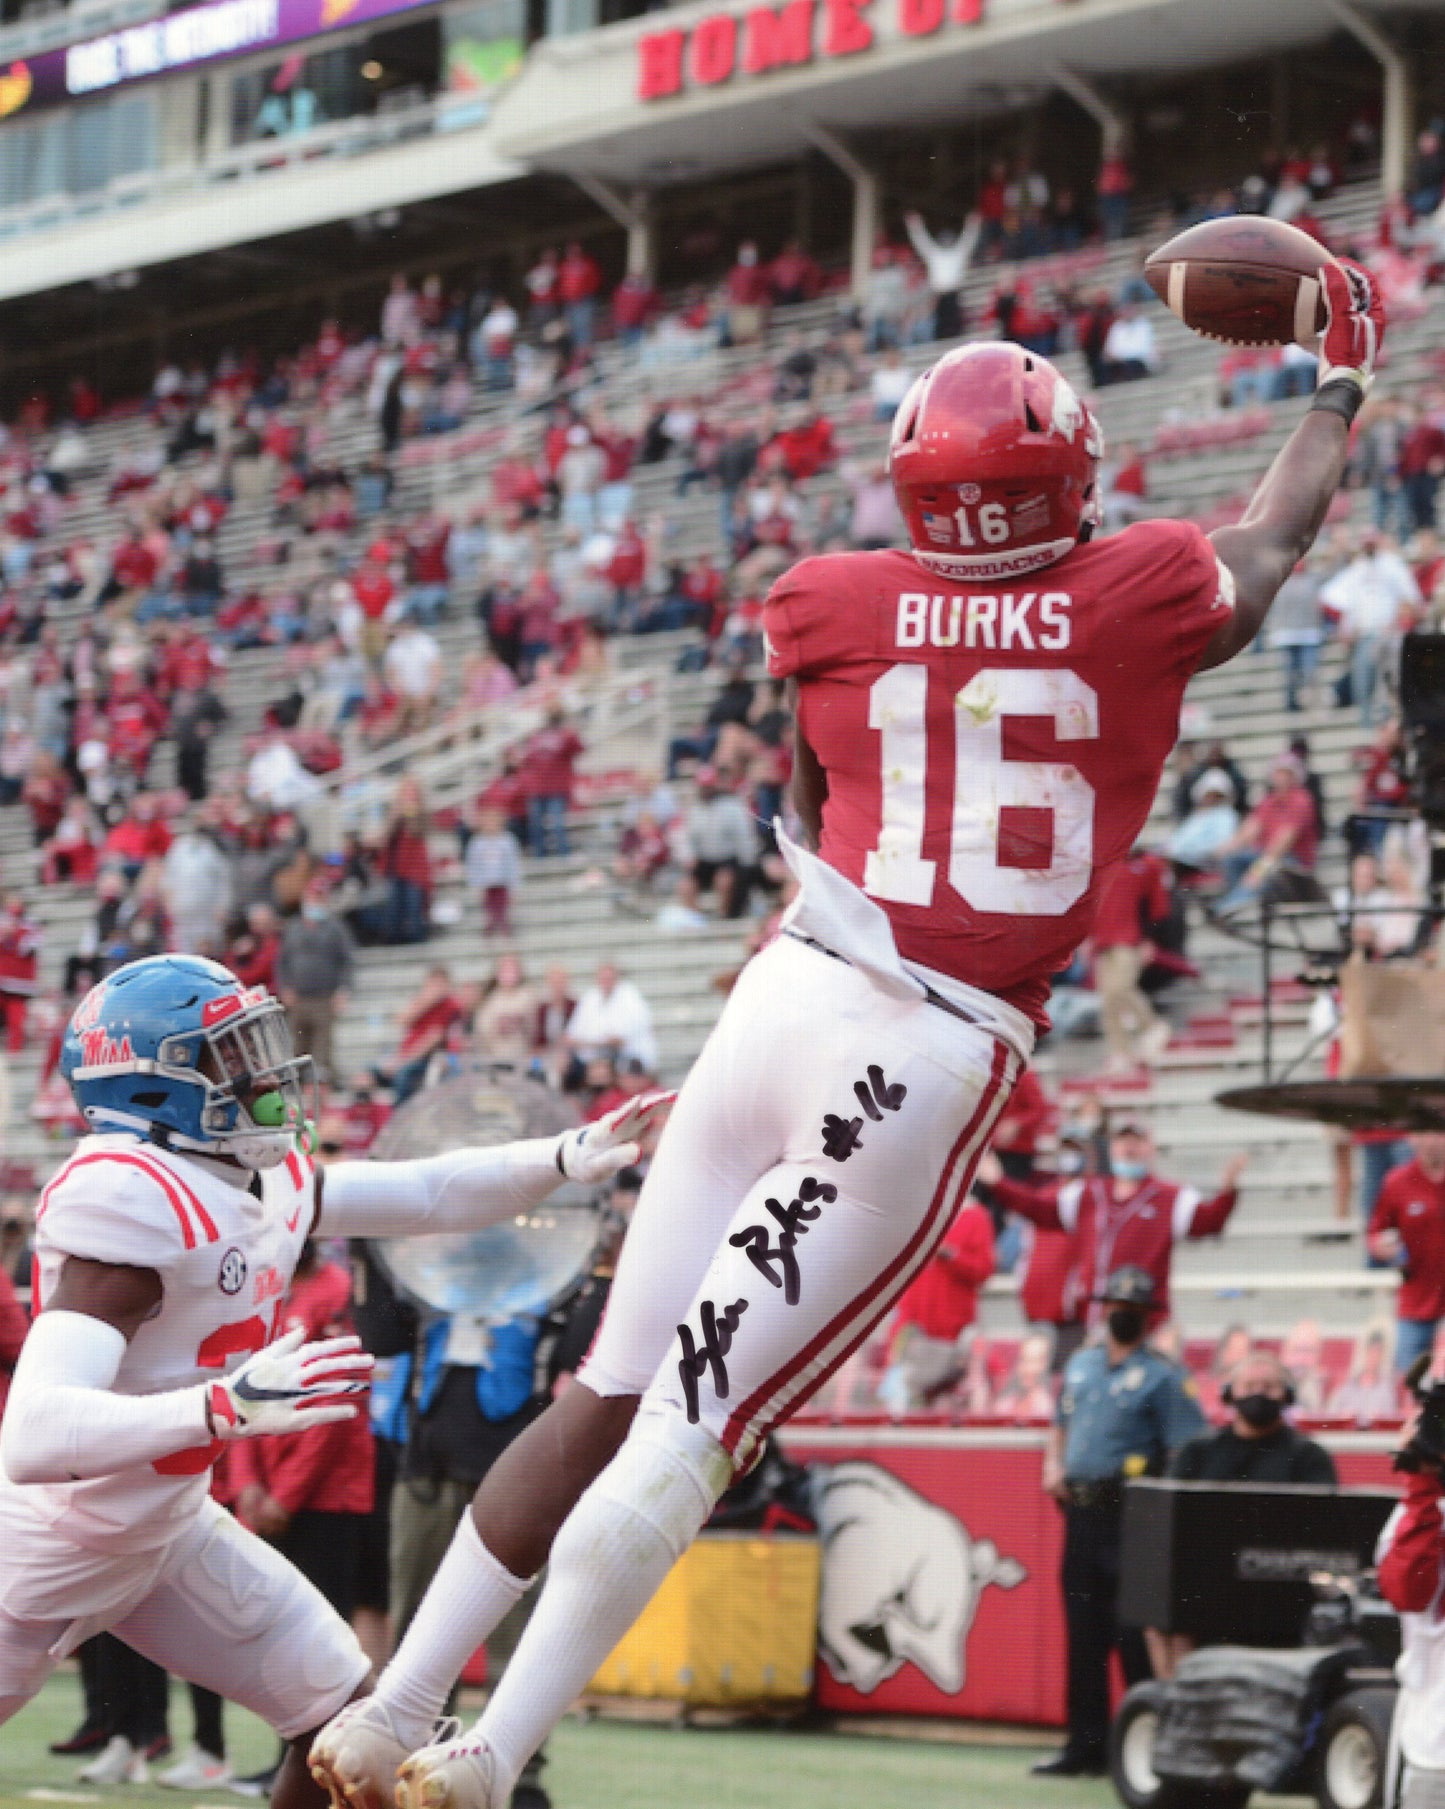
(1011, 1624)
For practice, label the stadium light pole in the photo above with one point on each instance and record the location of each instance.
(1397, 127)
(865, 201)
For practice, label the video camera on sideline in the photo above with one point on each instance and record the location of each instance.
(1426, 1446)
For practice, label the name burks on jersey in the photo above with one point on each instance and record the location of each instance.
(1004, 622)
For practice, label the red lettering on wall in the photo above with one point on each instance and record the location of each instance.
(714, 50)
(659, 64)
(918, 18)
(848, 31)
(773, 39)
(968, 12)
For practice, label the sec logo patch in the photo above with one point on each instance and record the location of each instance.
(232, 1277)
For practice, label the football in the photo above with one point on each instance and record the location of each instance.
(1245, 280)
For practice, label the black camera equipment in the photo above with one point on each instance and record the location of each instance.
(1426, 1447)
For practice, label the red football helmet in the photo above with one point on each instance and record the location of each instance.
(994, 461)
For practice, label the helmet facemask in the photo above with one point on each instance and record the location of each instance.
(258, 1091)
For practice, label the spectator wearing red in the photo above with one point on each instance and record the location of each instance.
(548, 769)
(406, 866)
(543, 295)
(747, 295)
(626, 573)
(1137, 894)
(428, 566)
(310, 1492)
(579, 277)
(508, 793)
(137, 719)
(634, 302)
(20, 939)
(1129, 1217)
(1421, 467)
(141, 835)
(134, 568)
(793, 276)
(375, 593)
(252, 956)
(44, 793)
(1407, 1231)
(1029, 1116)
(517, 484)
(1114, 190)
(992, 205)
(805, 448)
(71, 853)
(1273, 851)
(940, 1306)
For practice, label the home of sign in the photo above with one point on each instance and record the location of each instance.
(778, 37)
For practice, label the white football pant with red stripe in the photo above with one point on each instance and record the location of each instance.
(814, 1159)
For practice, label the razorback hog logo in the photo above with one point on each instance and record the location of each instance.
(902, 1580)
(99, 1049)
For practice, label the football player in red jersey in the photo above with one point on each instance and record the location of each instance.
(982, 721)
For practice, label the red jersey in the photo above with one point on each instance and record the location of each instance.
(1137, 893)
(1109, 1233)
(1412, 1204)
(992, 749)
(944, 1298)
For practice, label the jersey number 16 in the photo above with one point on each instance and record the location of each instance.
(985, 784)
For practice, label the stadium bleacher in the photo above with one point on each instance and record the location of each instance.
(1284, 1256)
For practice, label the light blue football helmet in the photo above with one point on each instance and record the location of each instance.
(178, 1051)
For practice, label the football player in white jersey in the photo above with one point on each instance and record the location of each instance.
(164, 1249)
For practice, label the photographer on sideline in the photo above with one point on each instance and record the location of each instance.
(1411, 1560)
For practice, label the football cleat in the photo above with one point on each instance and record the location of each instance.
(355, 1756)
(196, 1769)
(119, 1763)
(460, 1774)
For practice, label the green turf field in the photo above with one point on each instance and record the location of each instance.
(620, 1765)
(614, 1765)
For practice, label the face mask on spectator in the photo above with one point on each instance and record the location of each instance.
(1259, 1410)
(1070, 1162)
(1128, 1171)
(313, 911)
(1126, 1324)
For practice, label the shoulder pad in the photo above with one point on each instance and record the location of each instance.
(122, 1206)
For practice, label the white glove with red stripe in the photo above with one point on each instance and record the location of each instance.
(1352, 340)
(595, 1152)
(290, 1386)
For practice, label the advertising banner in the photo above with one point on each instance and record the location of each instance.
(186, 40)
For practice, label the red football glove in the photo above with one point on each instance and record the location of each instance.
(1351, 341)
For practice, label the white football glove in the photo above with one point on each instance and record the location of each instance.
(289, 1387)
(594, 1153)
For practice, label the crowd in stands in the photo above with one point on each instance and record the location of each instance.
(108, 727)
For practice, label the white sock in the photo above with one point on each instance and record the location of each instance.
(609, 1560)
(468, 1597)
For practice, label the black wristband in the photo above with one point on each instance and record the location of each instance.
(1338, 397)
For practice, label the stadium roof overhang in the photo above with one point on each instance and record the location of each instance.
(706, 87)
(207, 217)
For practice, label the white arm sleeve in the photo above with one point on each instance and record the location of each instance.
(62, 1423)
(464, 1190)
